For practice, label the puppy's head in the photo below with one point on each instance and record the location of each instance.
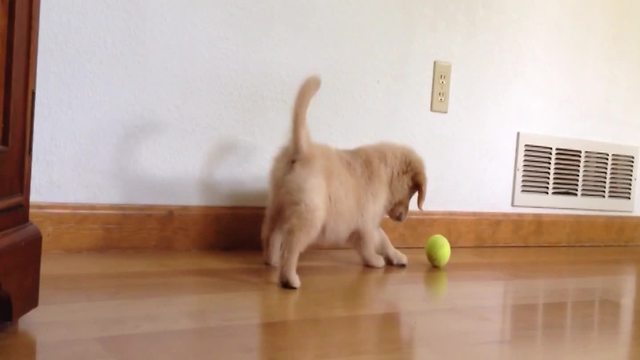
(408, 178)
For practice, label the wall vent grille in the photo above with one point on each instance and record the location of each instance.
(574, 174)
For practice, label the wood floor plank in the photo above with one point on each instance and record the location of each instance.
(502, 303)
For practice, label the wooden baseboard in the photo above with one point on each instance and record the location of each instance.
(80, 227)
(75, 227)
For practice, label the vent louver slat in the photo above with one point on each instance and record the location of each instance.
(566, 172)
(621, 176)
(594, 174)
(575, 174)
(536, 169)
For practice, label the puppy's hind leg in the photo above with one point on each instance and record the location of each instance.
(273, 253)
(271, 238)
(296, 238)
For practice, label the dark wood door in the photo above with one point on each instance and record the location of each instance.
(20, 241)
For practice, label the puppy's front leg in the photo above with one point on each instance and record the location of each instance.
(367, 243)
(390, 253)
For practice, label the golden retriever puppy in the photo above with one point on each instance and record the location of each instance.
(321, 195)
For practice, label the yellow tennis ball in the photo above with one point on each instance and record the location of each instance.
(438, 250)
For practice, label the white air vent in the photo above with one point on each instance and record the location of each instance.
(574, 174)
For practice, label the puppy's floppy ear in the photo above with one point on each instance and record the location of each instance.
(420, 184)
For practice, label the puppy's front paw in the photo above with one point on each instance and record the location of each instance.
(398, 259)
(290, 282)
(375, 261)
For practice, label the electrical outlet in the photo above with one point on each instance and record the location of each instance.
(440, 87)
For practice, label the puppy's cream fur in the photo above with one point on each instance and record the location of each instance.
(323, 195)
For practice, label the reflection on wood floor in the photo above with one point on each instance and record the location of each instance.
(489, 303)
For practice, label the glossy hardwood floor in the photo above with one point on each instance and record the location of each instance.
(578, 303)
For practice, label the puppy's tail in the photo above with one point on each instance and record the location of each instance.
(301, 139)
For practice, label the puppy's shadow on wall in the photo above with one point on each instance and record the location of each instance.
(135, 168)
(221, 181)
(224, 181)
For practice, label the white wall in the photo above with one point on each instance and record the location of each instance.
(186, 102)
